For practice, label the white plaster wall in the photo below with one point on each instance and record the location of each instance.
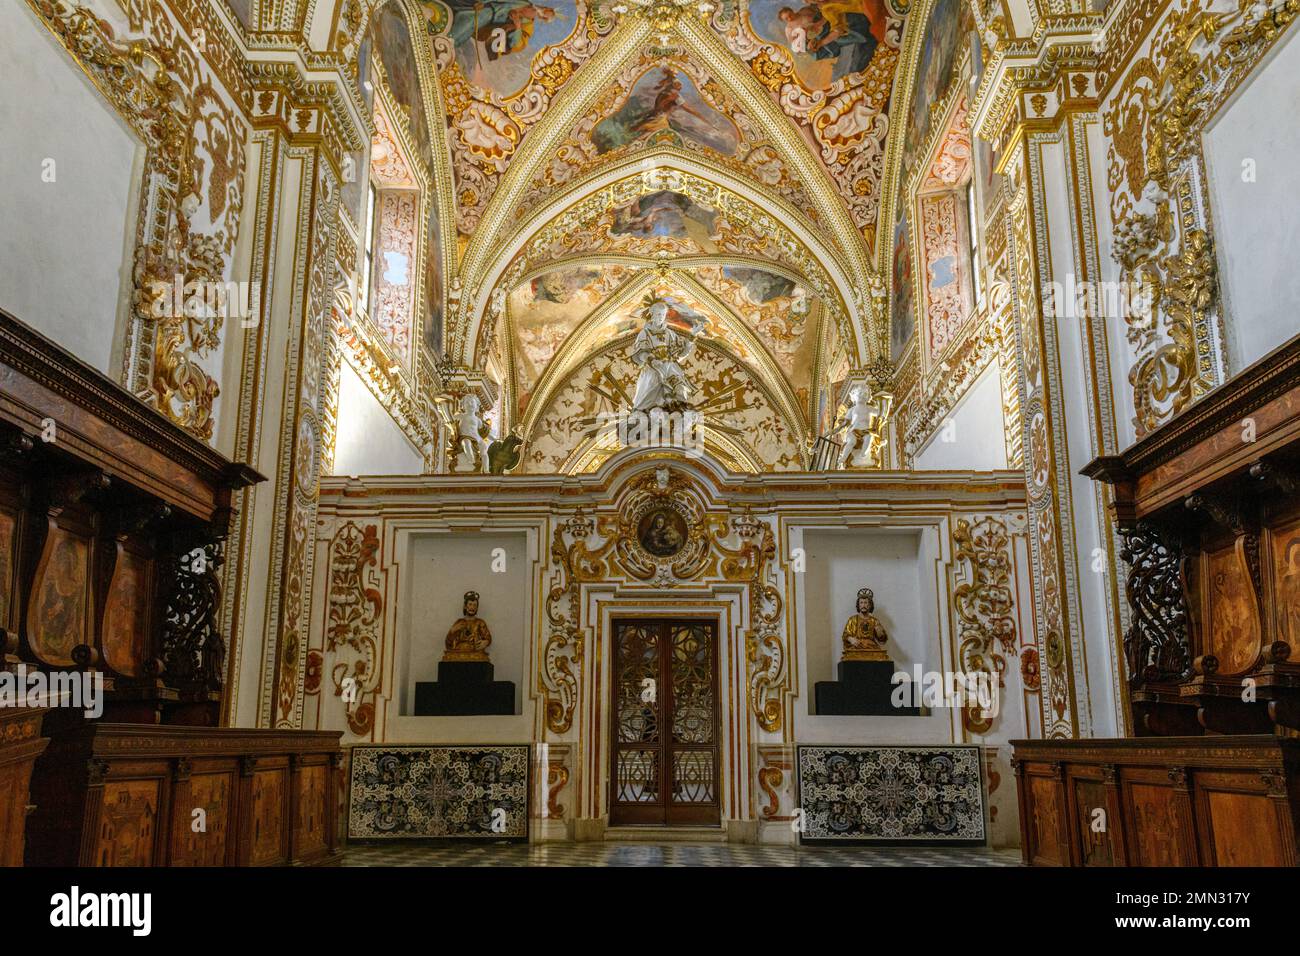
(978, 442)
(1257, 224)
(65, 250)
(439, 570)
(1093, 675)
(369, 441)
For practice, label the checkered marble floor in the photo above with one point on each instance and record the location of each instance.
(671, 854)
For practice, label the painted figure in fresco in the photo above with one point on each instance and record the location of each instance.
(662, 383)
(668, 99)
(665, 98)
(503, 27)
(469, 638)
(471, 435)
(847, 33)
(667, 214)
(857, 424)
(864, 636)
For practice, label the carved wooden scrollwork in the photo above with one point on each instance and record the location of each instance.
(193, 649)
(1156, 644)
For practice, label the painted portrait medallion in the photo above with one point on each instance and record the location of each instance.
(662, 532)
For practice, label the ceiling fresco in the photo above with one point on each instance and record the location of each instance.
(727, 158)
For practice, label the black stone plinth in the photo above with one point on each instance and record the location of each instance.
(464, 688)
(863, 690)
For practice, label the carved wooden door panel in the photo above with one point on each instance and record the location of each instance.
(664, 755)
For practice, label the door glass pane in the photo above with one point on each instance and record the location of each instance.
(693, 776)
(638, 684)
(637, 776)
(692, 684)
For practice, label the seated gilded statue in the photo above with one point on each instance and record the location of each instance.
(864, 635)
(469, 637)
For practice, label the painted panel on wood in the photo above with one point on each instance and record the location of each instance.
(125, 635)
(453, 791)
(1284, 549)
(8, 548)
(892, 795)
(57, 617)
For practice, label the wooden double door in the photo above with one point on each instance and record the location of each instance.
(664, 758)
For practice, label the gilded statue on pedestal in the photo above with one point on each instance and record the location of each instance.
(469, 637)
(864, 635)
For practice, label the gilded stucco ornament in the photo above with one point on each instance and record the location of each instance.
(690, 545)
(190, 200)
(984, 606)
(1159, 201)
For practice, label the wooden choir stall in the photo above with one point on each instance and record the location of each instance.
(1208, 509)
(112, 529)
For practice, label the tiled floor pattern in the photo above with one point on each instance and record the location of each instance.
(671, 854)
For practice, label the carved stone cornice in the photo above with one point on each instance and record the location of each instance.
(1023, 68)
(305, 109)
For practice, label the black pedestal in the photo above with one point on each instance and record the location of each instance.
(863, 690)
(464, 688)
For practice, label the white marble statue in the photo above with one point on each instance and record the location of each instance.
(662, 383)
(471, 435)
(857, 424)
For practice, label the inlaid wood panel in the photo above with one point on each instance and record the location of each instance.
(20, 744)
(1153, 823)
(1094, 828)
(214, 793)
(1223, 800)
(270, 802)
(128, 823)
(1231, 613)
(1046, 822)
(1244, 830)
(155, 777)
(311, 811)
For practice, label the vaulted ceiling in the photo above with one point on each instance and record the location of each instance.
(727, 157)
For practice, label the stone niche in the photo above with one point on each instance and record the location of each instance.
(439, 569)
